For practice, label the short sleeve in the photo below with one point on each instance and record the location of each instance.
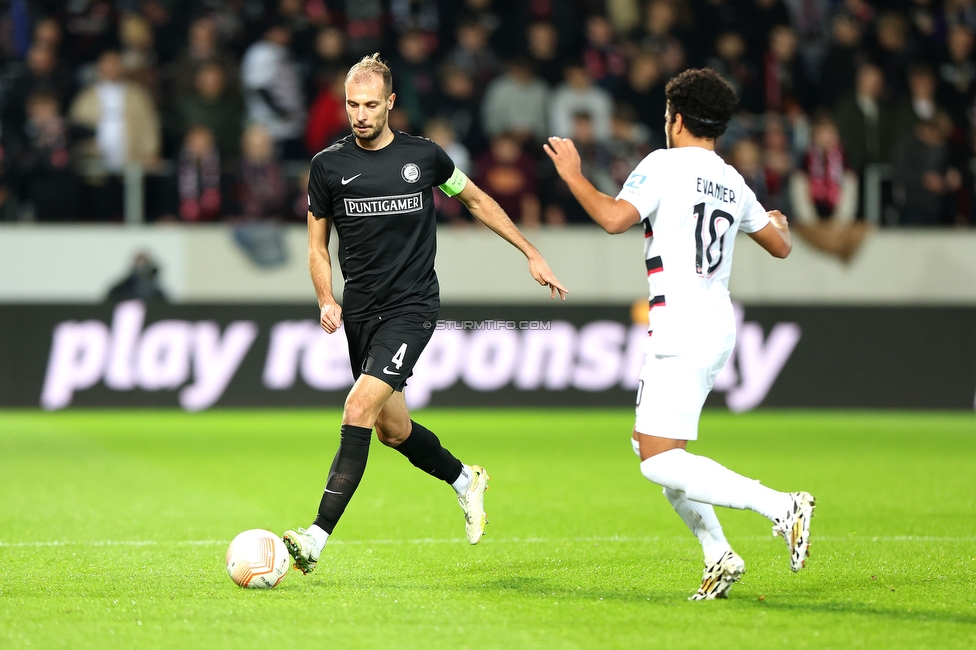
(443, 166)
(642, 188)
(319, 197)
(754, 217)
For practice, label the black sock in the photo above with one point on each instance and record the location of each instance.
(344, 476)
(424, 450)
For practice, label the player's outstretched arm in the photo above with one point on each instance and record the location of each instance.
(320, 268)
(486, 210)
(612, 215)
(775, 236)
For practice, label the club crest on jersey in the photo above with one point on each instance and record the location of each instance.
(410, 173)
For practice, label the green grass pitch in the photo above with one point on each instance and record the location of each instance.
(113, 527)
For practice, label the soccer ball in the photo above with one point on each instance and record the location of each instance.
(257, 559)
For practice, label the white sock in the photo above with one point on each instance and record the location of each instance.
(319, 536)
(636, 446)
(704, 480)
(463, 481)
(701, 519)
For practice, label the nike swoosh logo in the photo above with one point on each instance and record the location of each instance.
(346, 181)
(389, 372)
(331, 492)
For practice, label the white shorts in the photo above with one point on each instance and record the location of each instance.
(672, 391)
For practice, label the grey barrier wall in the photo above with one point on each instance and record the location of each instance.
(201, 356)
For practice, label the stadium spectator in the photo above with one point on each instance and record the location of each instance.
(786, 82)
(473, 53)
(778, 160)
(957, 73)
(810, 20)
(273, 91)
(492, 21)
(924, 178)
(824, 195)
(47, 33)
(440, 132)
(579, 95)
(844, 55)
(596, 161)
(775, 52)
(597, 165)
(517, 102)
(960, 12)
(291, 14)
(730, 62)
(624, 15)
(630, 142)
(263, 190)
(202, 49)
(199, 177)
(542, 44)
(167, 24)
(708, 19)
(508, 175)
(89, 30)
(50, 185)
(327, 119)
(364, 25)
(920, 104)
(214, 106)
(330, 57)
(416, 78)
(458, 104)
(644, 93)
(894, 51)
(864, 121)
(757, 20)
(139, 55)
(925, 22)
(604, 57)
(122, 126)
(42, 73)
(142, 283)
(407, 15)
(657, 31)
(747, 158)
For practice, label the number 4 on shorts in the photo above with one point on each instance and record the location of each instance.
(398, 357)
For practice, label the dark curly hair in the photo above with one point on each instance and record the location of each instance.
(705, 100)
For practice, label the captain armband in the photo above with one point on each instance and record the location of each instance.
(455, 184)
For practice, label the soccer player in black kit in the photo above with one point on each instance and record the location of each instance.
(376, 186)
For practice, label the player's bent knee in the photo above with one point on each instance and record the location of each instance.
(391, 433)
(388, 438)
(358, 412)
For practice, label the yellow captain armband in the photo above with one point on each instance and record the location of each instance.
(455, 184)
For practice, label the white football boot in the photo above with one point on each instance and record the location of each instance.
(795, 528)
(719, 577)
(302, 549)
(472, 503)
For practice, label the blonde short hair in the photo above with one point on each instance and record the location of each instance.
(370, 65)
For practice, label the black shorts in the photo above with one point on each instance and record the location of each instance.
(388, 348)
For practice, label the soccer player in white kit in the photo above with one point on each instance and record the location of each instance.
(691, 205)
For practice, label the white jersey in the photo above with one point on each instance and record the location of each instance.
(692, 205)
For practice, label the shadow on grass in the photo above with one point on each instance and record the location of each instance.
(872, 611)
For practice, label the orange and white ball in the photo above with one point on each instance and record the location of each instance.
(257, 559)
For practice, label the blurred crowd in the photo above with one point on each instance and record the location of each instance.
(221, 103)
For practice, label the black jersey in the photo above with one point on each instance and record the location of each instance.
(382, 203)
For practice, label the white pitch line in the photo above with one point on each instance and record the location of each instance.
(511, 540)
